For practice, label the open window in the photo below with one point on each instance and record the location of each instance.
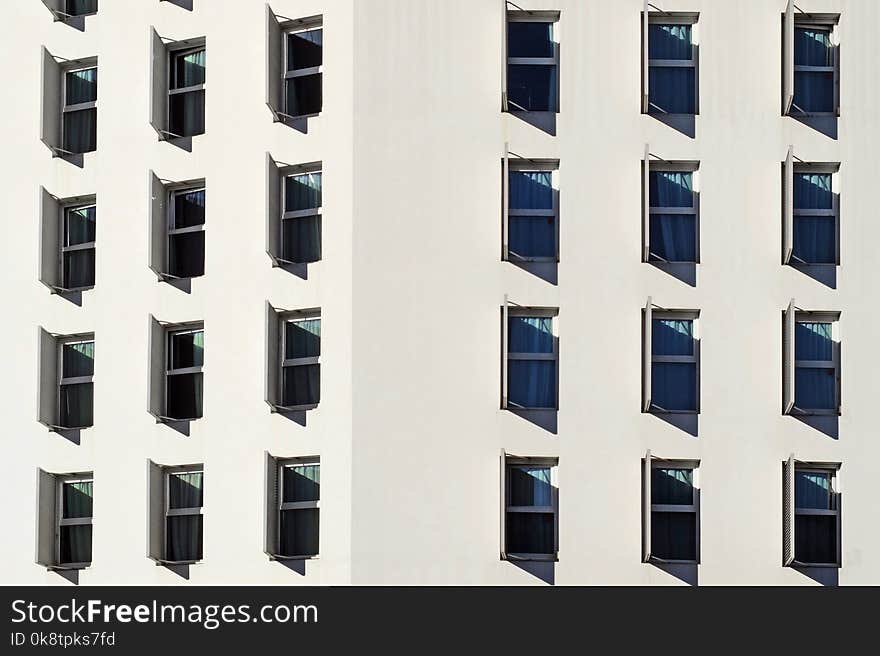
(64, 520)
(670, 62)
(176, 494)
(531, 209)
(530, 357)
(293, 212)
(671, 211)
(69, 110)
(294, 63)
(811, 365)
(811, 514)
(530, 508)
(177, 87)
(811, 63)
(531, 51)
(293, 354)
(293, 498)
(66, 387)
(670, 510)
(177, 354)
(671, 365)
(177, 228)
(811, 206)
(67, 242)
(72, 12)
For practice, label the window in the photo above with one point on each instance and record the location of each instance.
(186, 95)
(301, 221)
(670, 55)
(78, 247)
(811, 224)
(293, 487)
(531, 352)
(186, 233)
(531, 228)
(64, 521)
(672, 344)
(671, 532)
(811, 59)
(531, 507)
(673, 212)
(81, 7)
(79, 112)
(532, 83)
(72, 12)
(76, 389)
(811, 527)
(184, 381)
(183, 516)
(300, 367)
(303, 78)
(815, 362)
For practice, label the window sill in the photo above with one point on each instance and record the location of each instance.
(822, 565)
(659, 411)
(536, 260)
(518, 558)
(282, 409)
(68, 567)
(664, 561)
(160, 562)
(274, 557)
(794, 412)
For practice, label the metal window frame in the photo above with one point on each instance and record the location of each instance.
(69, 15)
(833, 318)
(60, 481)
(528, 312)
(292, 172)
(66, 208)
(295, 316)
(821, 168)
(673, 18)
(295, 505)
(173, 53)
(298, 27)
(522, 16)
(831, 469)
(61, 342)
(680, 166)
(169, 471)
(529, 165)
(817, 22)
(514, 462)
(174, 191)
(77, 107)
(693, 507)
(170, 331)
(678, 315)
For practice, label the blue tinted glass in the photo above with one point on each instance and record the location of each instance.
(671, 189)
(532, 236)
(674, 385)
(814, 388)
(672, 486)
(812, 47)
(302, 192)
(672, 90)
(812, 490)
(530, 486)
(82, 86)
(531, 88)
(672, 337)
(530, 335)
(814, 239)
(673, 237)
(812, 341)
(814, 91)
(531, 190)
(531, 383)
(812, 191)
(529, 39)
(669, 42)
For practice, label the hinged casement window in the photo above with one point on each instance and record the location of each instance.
(672, 204)
(64, 520)
(76, 367)
(530, 517)
(530, 373)
(68, 11)
(671, 510)
(531, 209)
(177, 228)
(69, 101)
(177, 87)
(811, 205)
(293, 213)
(672, 360)
(293, 351)
(293, 498)
(177, 354)
(294, 62)
(811, 371)
(811, 514)
(67, 242)
(532, 66)
(670, 63)
(176, 522)
(811, 63)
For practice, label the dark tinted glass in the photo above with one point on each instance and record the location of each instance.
(531, 88)
(672, 90)
(81, 86)
(304, 95)
(674, 386)
(672, 337)
(185, 396)
(80, 222)
(302, 192)
(189, 69)
(76, 405)
(304, 49)
(185, 490)
(189, 208)
(75, 544)
(530, 533)
(301, 239)
(671, 486)
(673, 237)
(815, 539)
(184, 539)
(76, 500)
(80, 130)
(299, 532)
(302, 338)
(80, 7)
(674, 535)
(187, 349)
(529, 39)
(529, 486)
(302, 483)
(301, 385)
(186, 254)
(188, 113)
(78, 360)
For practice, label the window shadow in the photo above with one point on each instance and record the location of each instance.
(72, 297)
(182, 570)
(544, 121)
(183, 284)
(826, 125)
(827, 576)
(184, 143)
(689, 422)
(72, 435)
(70, 575)
(297, 565)
(298, 123)
(825, 274)
(686, 572)
(825, 424)
(182, 426)
(300, 269)
(544, 570)
(546, 271)
(686, 272)
(183, 4)
(296, 416)
(76, 22)
(76, 159)
(686, 124)
(546, 419)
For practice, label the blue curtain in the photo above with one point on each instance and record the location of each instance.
(672, 486)
(669, 42)
(302, 192)
(812, 47)
(532, 87)
(671, 189)
(532, 383)
(529, 39)
(813, 90)
(532, 236)
(814, 239)
(530, 486)
(812, 191)
(672, 337)
(531, 190)
(671, 89)
(674, 385)
(812, 341)
(814, 388)
(673, 237)
(530, 335)
(812, 490)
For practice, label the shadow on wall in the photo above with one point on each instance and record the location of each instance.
(686, 572)
(71, 575)
(296, 416)
(825, 424)
(826, 125)
(827, 576)
(544, 121)
(686, 272)
(183, 284)
(825, 274)
(546, 419)
(300, 270)
(72, 297)
(181, 570)
(686, 124)
(183, 4)
(544, 570)
(297, 565)
(687, 422)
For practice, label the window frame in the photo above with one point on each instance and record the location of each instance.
(677, 315)
(673, 18)
(173, 53)
(834, 500)
(170, 331)
(63, 380)
(827, 22)
(292, 172)
(820, 168)
(295, 505)
(60, 481)
(813, 316)
(529, 165)
(299, 26)
(295, 316)
(511, 462)
(678, 166)
(529, 312)
(170, 230)
(694, 507)
(76, 107)
(66, 208)
(522, 16)
(168, 472)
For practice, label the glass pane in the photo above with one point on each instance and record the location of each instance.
(189, 208)
(669, 42)
(75, 544)
(532, 383)
(186, 254)
(529, 39)
(531, 190)
(184, 539)
(185, 396)
(76, 405)
(672, 337)
(815, 239)
(301, 239)
(302, 338)
(530, 533)
(812, 191)
(76, 499)
(80, 225)
(189, 69)
(814, 388)
(673, 237)
(304, 49)
(815, 538)
(302, 192)
(674, 385)
(529, 486)
(301, 385)
(812, 341)
(532, 236)
(81, 86)
(185, 489)
(674, 535)
(304, 95)
(80, 129)
(78, 359)
(79, 268)
(187, 349)
(299, 532)
(81, 7)
(188, 113)
(672, 486)
(814, 91)
(671, 90)
(671, 189)
(530, 335)
(812, 490)
(302, 482)
(531, 88)
(812, 47)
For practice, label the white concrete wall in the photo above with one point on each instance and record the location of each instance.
(409, 429)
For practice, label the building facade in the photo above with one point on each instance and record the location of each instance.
(423, 292)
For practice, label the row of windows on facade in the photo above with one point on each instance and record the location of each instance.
(670, 62)
(69, 116)
(671, 376)
(529, 512)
